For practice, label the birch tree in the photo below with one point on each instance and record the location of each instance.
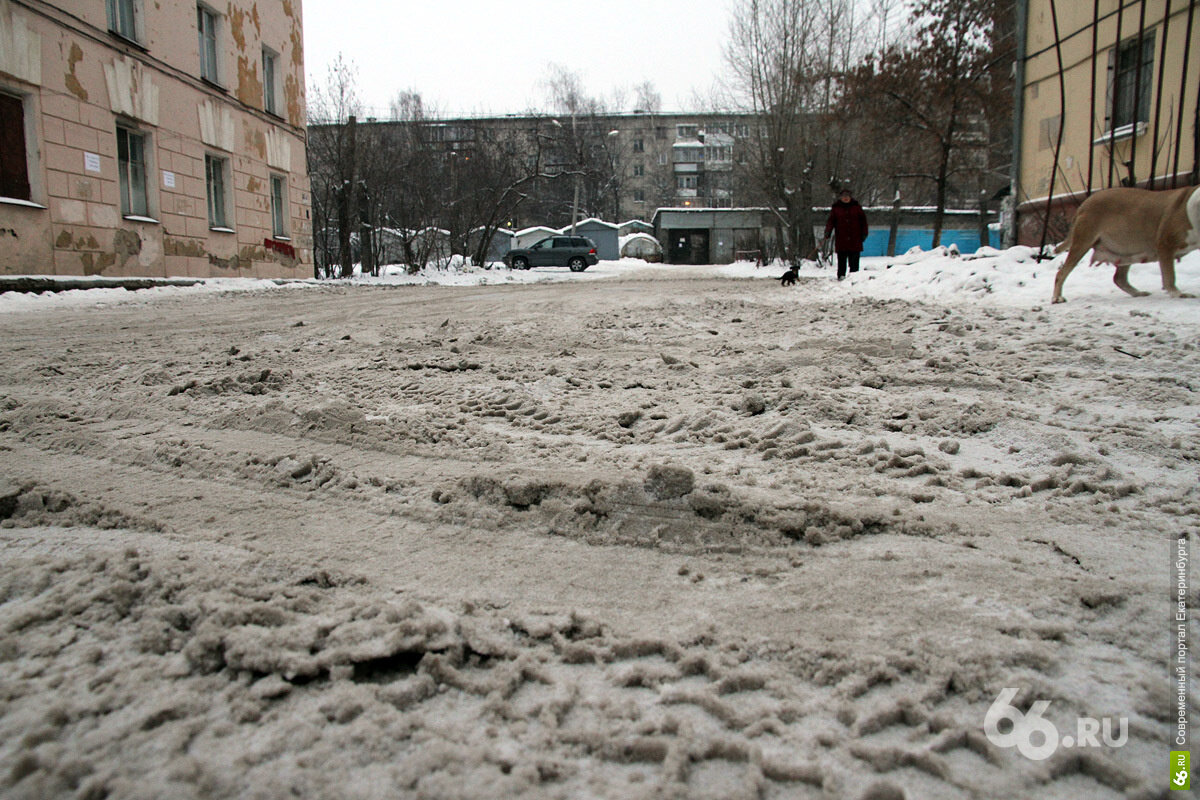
(332, 167)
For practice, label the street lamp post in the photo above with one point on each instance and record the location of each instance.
(616, 184)
(578, 169)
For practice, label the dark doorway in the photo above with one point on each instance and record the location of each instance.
(689, 247)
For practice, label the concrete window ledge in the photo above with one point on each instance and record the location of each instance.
(1123, 132)
(16, 201)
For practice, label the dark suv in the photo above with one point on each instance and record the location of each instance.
(576, 252)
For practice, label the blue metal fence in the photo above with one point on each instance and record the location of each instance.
(907, 238)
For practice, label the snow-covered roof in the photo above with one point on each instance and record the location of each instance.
(928, 210)
(637, 237)
(589, 221)
(535, 229)
(705, 210)
(821, 209)
(409, 233)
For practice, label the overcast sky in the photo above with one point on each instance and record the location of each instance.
(472, 56)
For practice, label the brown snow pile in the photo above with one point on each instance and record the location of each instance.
(653, 538)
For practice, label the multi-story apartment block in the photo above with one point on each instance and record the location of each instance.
(635, 162)
(153, 138)
(680, 160)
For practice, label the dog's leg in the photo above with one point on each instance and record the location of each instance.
(1121, 279)
(1166, 263)
(1073, 258)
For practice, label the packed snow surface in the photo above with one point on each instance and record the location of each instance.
(645, 531)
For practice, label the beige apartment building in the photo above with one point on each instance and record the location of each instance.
(159, 138)
(1120, 111)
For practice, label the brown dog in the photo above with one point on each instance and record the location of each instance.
(1129, 226)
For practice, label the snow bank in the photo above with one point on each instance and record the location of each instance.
(1012, 277)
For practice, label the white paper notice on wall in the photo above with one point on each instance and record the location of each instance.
(91, 162)
(168, 179)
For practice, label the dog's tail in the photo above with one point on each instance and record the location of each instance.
(1064, 247)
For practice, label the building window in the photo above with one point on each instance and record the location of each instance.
(14, 165)
(639, 145)
(214, 176)
(206, 25)
(685, 182)
(270, 92)
(1126, 87)
(638, 170)
(131, 169)
(719, 153)
(639, 196)
(122, 18)
(278, 207)
(687, 131)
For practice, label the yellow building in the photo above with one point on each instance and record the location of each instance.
(153, 138)
(1108, 97)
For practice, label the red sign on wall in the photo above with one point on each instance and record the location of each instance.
(283, 248)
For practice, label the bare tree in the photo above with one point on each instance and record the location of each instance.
(946, 93)
(332, 167)
(581, 146)
(779, 59)
(407, 176)
(647, 98)
(489, 187)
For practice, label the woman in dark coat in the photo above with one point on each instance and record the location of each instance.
(848, 222)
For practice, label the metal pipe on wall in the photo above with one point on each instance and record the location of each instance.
(1183, 73)
(1137, 91)
(1092, 113)
(1112, 117)
(1162, 75)
(1062, 115)
(1022, 9)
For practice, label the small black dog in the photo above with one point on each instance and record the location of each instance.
(788, 278)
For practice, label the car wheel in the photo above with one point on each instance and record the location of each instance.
(577, 264)
(520, 262)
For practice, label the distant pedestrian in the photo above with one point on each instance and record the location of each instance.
(848, 222)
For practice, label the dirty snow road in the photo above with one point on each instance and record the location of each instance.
(647, 537)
